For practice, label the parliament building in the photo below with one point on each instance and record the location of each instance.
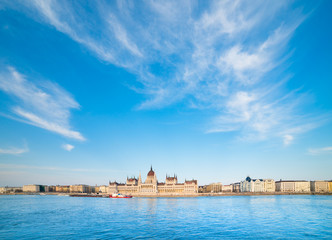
(152, 186)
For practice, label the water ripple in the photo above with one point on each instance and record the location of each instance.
(234, 217)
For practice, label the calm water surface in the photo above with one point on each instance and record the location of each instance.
(238, 217)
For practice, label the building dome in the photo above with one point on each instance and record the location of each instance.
(151, 172)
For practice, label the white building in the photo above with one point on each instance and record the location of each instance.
(257, 185)
(269, 185)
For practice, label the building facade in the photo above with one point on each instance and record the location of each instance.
(31, 188)
(152, 186)
(252, 185)
(320, 186)
(10, 189)
(103, 189)
(236, 187)
(213, 188)
(269, 185)
(80, 188)
(63, 188)
(298, 186)
(227, 188)
(257, 185)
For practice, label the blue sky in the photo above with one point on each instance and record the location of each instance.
(212, 90)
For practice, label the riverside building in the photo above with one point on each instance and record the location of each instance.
(298, 186)
(103, 189)
(79, 188)
(257, 185)
(320, 186)
(151, 186)
(227, 188)
(236, 187)
(63, 188)
(212, 188)
(10, 189)
(35, 188)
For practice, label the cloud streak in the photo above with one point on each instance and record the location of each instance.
(219, 55)
(68, 147)
(45, 105)
(14, 151)
(318, 151)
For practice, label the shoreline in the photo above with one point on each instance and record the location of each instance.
(226, 194)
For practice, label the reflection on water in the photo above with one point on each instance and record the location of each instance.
(233, 217)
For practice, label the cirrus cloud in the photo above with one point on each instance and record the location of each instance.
(45, 105)
(317, 151)
(219, 55)
(13, 151)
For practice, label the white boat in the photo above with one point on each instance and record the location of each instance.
(119, 195)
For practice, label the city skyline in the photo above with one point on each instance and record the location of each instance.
(214, 91)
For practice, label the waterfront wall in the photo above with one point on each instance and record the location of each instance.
(172, 188)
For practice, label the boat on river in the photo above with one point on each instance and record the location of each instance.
(86, 195)
(119, 195)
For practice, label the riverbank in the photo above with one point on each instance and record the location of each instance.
(170, 195)
(227, 194)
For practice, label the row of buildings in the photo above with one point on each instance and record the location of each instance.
(78, 188)
(35, 188)
(133, 186)
(269, 185)
(171, 186)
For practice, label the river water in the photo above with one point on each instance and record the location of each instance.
(231, 217)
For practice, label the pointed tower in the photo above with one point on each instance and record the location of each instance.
(155, 179)
(139, 178)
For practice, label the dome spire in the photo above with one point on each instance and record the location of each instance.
(151, 172)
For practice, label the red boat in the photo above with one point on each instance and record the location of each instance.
(119, 195)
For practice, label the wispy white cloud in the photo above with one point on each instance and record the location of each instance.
(220, 55)
(113, 42)
(288, 139)
(317, 151)
(45, 105)
(14, 151)
(122, 36)
(68, 147)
